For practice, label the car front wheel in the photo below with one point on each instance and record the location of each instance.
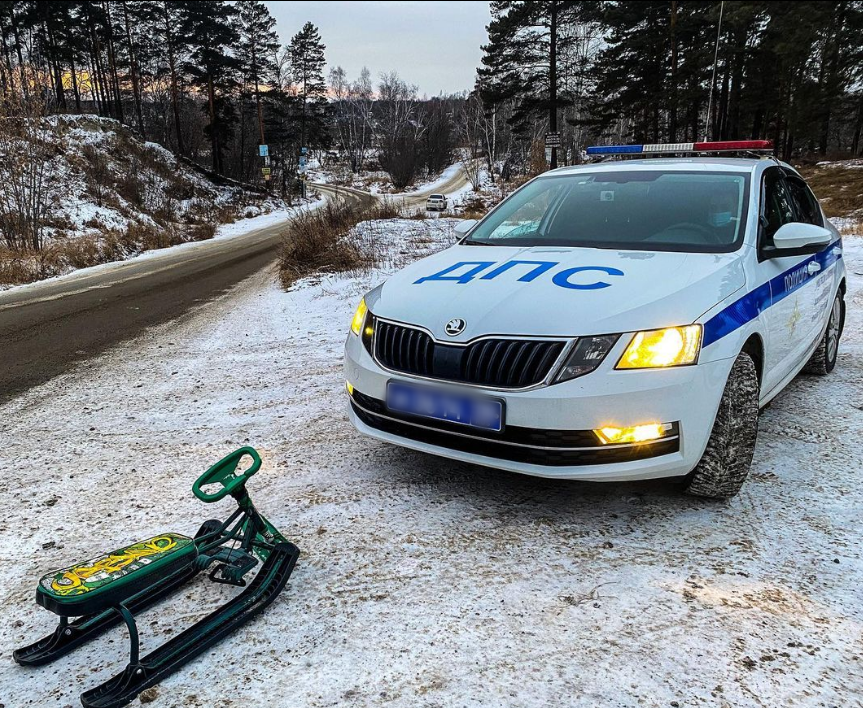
(823, 359)
(725, 464)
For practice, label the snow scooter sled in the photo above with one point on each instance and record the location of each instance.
(114, 587)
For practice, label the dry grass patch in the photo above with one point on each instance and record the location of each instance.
(62, 255)
(321, 240)
(838, 187)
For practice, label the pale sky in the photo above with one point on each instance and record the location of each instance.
(435, 45)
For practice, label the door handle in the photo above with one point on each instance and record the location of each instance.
(813, 267)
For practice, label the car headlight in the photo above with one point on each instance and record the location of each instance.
(359, 317)
(659, 348)
(585, 356)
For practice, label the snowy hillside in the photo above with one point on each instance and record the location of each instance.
(107, 195)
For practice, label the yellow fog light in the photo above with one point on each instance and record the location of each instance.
(673, 346)
(349, 387)
(359, 317)
(634, 434)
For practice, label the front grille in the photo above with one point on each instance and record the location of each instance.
(498, 363)
(404, 349)
(553, 448)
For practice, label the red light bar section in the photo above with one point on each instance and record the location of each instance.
(734, 145)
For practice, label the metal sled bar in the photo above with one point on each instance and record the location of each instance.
(263, 589)
(70, 635)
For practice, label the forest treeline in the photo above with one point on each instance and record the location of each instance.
(211, 80)
(677, 71)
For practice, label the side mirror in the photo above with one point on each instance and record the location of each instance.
(796, 239)
(462, 227)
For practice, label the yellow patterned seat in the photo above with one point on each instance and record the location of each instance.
(105, 581)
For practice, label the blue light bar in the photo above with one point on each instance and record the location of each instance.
(678, 148)
(614, 149)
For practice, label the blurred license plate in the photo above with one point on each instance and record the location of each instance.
(477, 412)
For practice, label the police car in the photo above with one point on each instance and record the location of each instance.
(612, 321)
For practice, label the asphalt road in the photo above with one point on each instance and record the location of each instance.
(418, 198)
(47, 327)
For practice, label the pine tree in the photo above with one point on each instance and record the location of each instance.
(258, 45)
(521, 59)
(307, 68)
(209, 29)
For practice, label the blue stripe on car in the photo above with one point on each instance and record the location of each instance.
(748, 307)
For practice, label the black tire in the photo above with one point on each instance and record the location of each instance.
(823, 359)
(725, 464)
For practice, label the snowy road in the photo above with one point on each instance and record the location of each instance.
(47, 326)
(425, 582)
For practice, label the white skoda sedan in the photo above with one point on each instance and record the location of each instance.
(619, 320)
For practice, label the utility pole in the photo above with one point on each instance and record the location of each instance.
(552, 81)
(263, 148)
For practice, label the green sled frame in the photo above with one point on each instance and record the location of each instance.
(114, 587)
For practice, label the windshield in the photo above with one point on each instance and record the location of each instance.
(639, 210)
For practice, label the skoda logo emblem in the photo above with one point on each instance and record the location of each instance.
(455, 326)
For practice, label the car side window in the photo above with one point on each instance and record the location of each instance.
(807, 205)
(777, 207)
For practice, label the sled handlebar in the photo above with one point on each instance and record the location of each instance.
(224, 474)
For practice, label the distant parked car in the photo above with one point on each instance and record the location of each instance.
(437, 202)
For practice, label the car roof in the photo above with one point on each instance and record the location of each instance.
(706, 164)
(435, 196)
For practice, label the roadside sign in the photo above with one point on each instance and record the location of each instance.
(266, 171)
(263, 150)
(266, 178)
(266, 160)
(303, 151)
(552, 140)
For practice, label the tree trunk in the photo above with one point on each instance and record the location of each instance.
(112, 61)
(858, 128)
(258, 95)
(243, 133)
(172, 65)
(18, 51)
(104, 91)
(672, 108)
(75, 83)
(94, 84)
(104, 86)
(258, 104)
(54, 63)
(9, 70)
(303, 115)
(136, 90)
(722, 108)
(214, 138)
(96, 79)
(552, 79)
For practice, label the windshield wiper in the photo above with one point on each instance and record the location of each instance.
(468, 242)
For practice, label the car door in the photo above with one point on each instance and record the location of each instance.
(809, 211)
(790, 316)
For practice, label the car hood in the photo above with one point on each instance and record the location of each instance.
(553, 291)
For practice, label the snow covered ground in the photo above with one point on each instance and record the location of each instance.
(425, 582)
